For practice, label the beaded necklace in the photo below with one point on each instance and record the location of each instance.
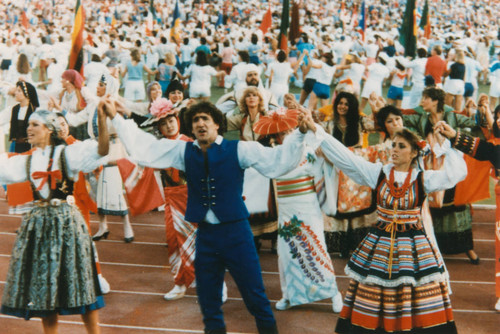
(398, 192)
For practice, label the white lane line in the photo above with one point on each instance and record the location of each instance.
(134, 265)
(141, 328)
(475, 311)
(163, 244)
(93, 221)
(134, 242)
(109, 241)
(492, 223)
(264, 272)
(230, 298)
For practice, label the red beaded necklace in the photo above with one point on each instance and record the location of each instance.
(395, 191)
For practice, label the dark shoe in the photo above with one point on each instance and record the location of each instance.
(273, 246)
(128, 240)
(99, 237)
(258, 244)
(267, 329)
(344, 254)
(473, 261)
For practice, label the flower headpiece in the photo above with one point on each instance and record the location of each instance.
(161, 108)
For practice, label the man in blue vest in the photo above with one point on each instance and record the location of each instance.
(214, 170)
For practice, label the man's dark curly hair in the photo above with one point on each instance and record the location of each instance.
(205, 108)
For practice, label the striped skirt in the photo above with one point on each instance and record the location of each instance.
(406, 308)
(413, 298)
(414, 260)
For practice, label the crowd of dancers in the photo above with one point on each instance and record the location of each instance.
(383, 180)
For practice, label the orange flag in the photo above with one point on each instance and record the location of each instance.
(475, 187)
(267, 21)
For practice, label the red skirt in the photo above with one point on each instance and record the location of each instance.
(181, 236)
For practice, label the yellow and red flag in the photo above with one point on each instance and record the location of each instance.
(176, 24)
(76, 54)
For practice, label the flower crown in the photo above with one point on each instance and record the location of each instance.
(162, 107)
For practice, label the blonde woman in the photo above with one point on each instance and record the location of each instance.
(251, 106)
(167, 71)
(263, 217)
(134, 84)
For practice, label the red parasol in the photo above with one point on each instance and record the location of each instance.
(280, 120)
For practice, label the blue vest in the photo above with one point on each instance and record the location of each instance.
(215, 184)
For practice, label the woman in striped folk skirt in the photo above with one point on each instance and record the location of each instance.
(398, 282)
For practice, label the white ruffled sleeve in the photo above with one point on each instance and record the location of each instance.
(146, 149)
(454, 171)
(357, 168)
(83, 156)
(272, 162)
(13, 169)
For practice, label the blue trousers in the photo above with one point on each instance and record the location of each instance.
(230, 246)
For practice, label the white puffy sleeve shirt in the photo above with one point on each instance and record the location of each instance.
(366, 173)
(146, 150)
(81, 156)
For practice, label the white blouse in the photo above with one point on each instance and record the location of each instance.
(81, 156)
(366, 173)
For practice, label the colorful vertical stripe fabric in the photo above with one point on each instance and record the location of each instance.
(76, 54)
(405, 308)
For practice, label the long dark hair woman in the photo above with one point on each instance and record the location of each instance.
(346, 119)
(27, 97)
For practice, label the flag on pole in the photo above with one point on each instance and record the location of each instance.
(362, 22)
(220, 20)
(202, 14)
(285, 21)
(295, 22)
(149, 24)
(408, 31)
(141, 188)
(76, 53)
(115, 17)
(342, 15)
(425, 22)
(152, 9)
(176, 22)
(267, 21)
(354, 18)
(24, 19)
